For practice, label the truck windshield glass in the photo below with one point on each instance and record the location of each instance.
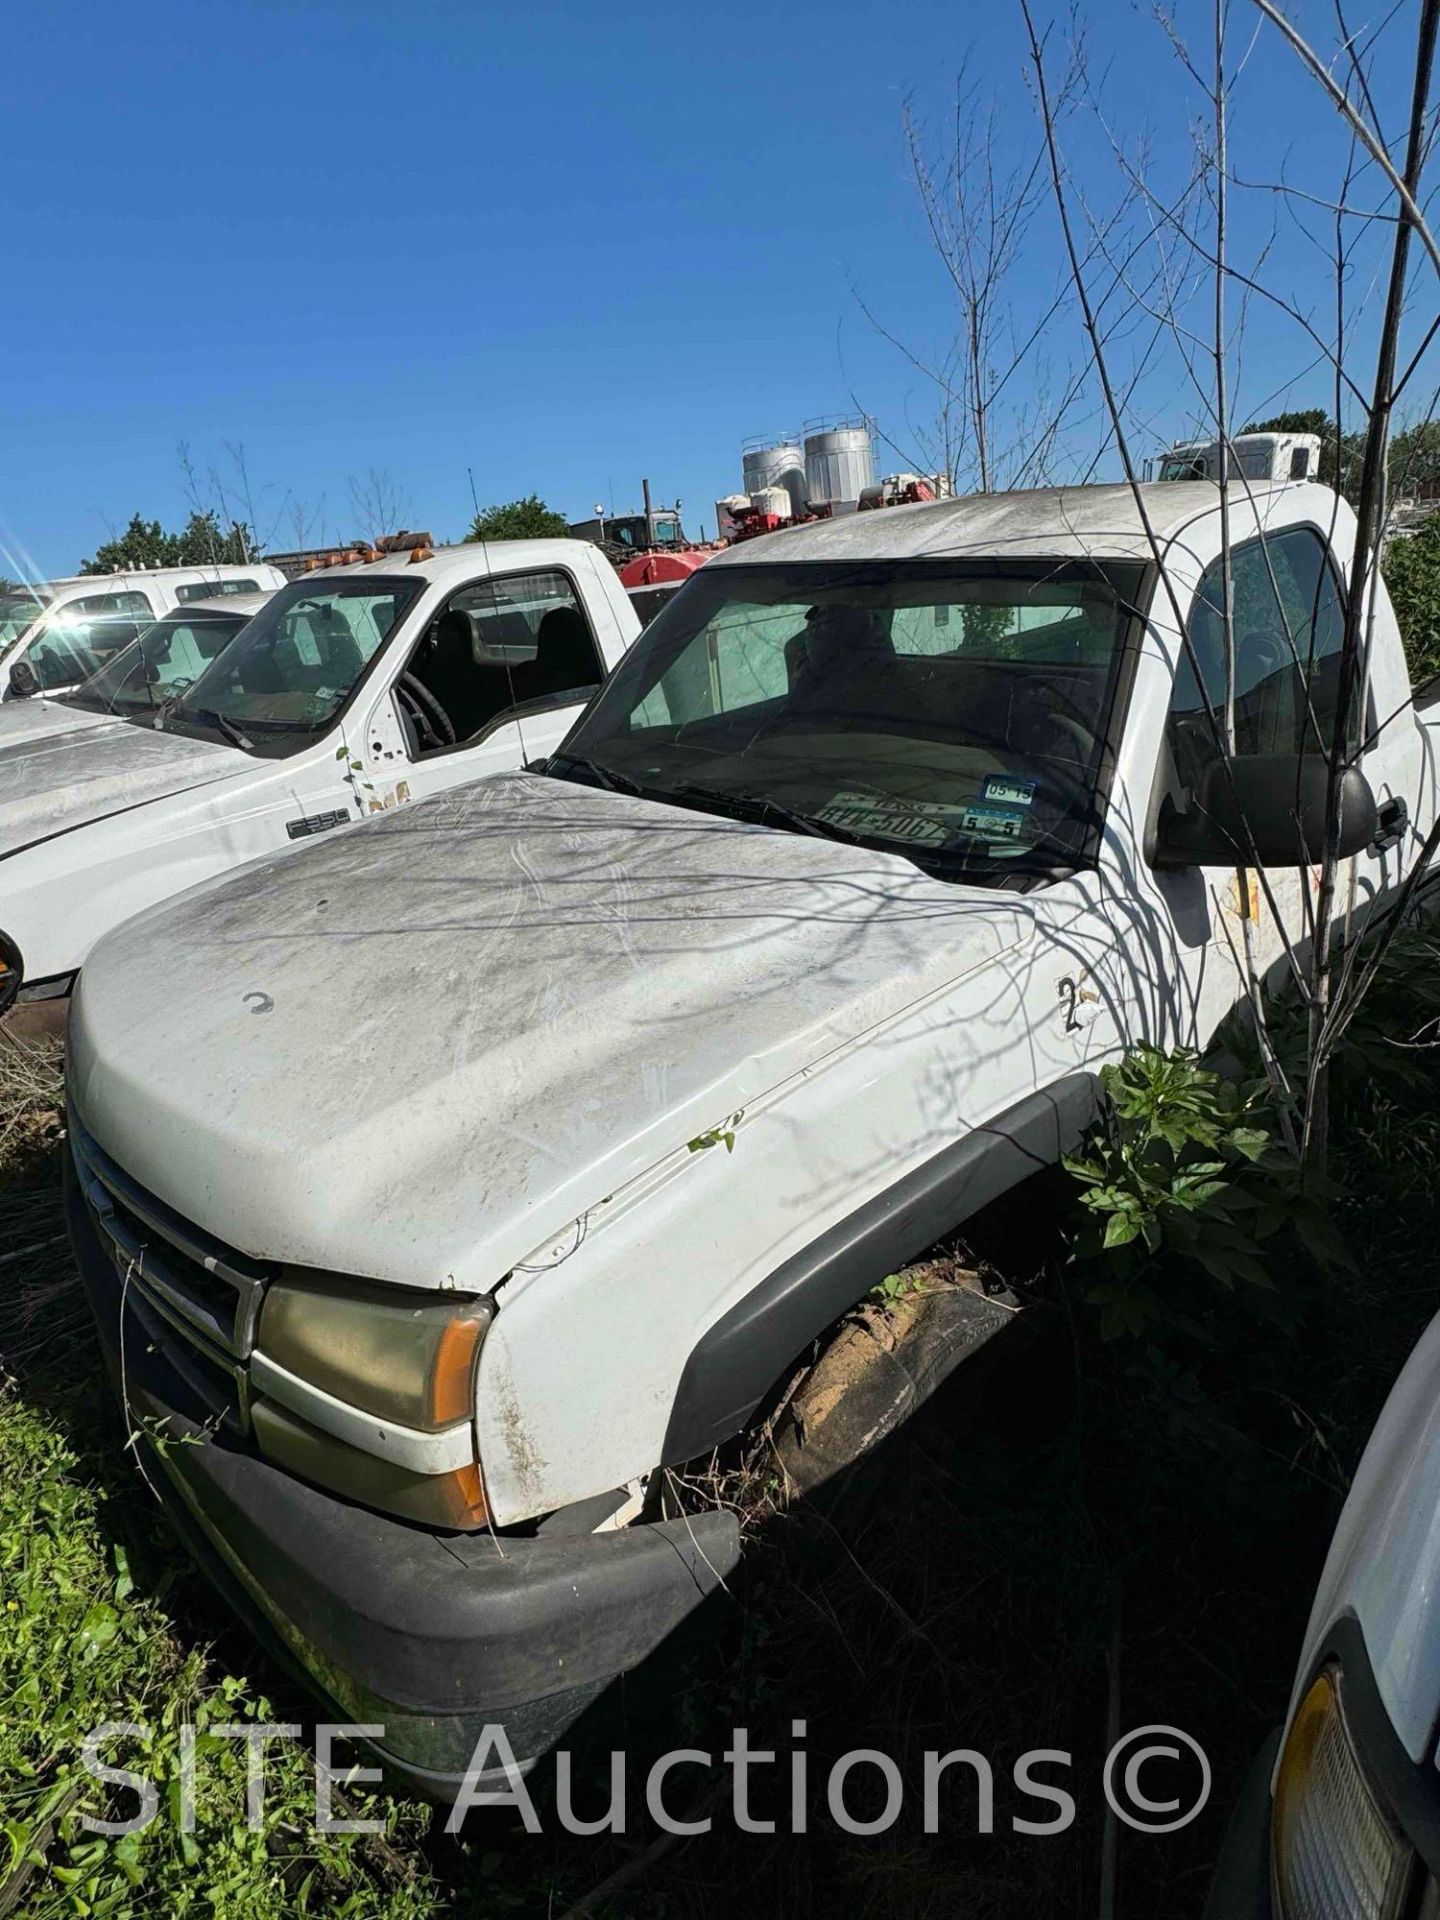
(297, 662)
(159, 666)
(18, 611)
(954, 712)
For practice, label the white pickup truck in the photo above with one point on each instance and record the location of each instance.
(1340, 1815)
(474, 1167)
(357, 688)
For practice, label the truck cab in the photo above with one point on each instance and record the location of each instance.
(1267, 457)
(65, 630)
(136, 680)
(617, 1081)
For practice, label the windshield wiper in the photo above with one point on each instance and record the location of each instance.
(758, 807)
(738, 806)
(226, 725)
(603, 776)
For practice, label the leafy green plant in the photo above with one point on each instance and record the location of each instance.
(1412, 573)
(894, 1286)
(80, 1645)
(525, 519)
(721, 1136)
(1188, 1166)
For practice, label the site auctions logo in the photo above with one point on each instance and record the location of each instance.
(1155, 1778)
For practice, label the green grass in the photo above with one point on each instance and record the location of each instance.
(92, 1629)
(81, 1645)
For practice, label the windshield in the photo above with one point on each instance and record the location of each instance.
(954, 712)
(161, 664)
(297, 662)
(17, 612)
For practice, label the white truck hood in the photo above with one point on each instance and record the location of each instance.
(41, 719)
(412, 1051)
(60, 780)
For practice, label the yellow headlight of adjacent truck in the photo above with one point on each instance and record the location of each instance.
(1337, 1854)
(370, 1391)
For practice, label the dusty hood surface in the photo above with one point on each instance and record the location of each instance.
(58, 779)
(39, 719)
(412, 1051)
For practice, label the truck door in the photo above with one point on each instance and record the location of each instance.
(497, 678)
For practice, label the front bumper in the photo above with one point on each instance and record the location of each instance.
(432, 1636)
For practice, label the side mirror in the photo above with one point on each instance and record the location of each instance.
(23, 681)
(1267, 808)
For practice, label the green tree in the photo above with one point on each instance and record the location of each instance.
(527, 519)
(201, 542)
(144, 543)
(1411, 567)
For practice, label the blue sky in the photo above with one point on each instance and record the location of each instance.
(564, 245)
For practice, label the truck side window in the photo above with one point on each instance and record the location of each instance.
(1289, 623)
(111, 603)
(214, 589)
(506, 643)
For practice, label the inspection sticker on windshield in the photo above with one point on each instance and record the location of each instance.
(1007, 790)
(890, 818)
(993, 823)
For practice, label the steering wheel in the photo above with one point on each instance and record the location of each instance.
(430, 718)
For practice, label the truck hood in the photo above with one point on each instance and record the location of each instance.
(413, 1050)
(59, 780)
(41, 719)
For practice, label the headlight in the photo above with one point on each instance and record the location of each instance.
(405, 1357)
(12, 971)
(1337, 1855)
(370, 1391)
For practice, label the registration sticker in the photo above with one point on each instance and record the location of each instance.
(1007, 790)
(994, 823)
(888, 817)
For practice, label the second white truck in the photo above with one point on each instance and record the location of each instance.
(64, 630)
(357, 689)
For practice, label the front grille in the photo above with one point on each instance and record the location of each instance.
(195, 1298)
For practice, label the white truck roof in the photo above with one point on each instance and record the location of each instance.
(246, 605)
(1102, 522)
(220, 569)
(473, 558)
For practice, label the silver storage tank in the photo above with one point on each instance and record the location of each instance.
(779, 465)
(839, 464)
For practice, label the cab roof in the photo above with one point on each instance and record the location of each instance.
(474, 559)
(200, 570)
(246, 605)
(1102, 523)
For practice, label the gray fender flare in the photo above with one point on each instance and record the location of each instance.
(741, 1356)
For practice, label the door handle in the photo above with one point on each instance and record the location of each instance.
(1391, 820)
